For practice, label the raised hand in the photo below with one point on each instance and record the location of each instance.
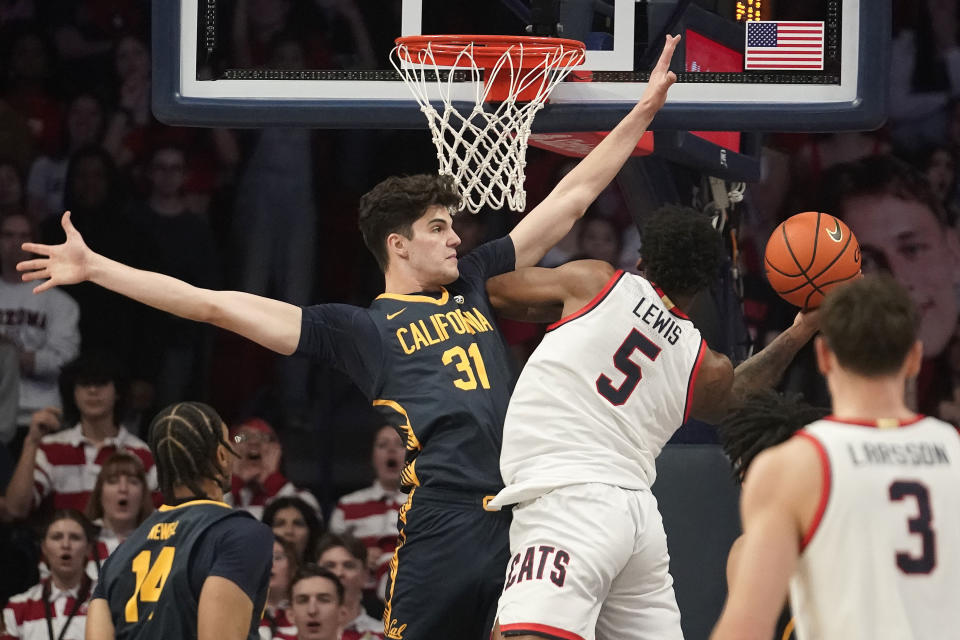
(66, 263)
(661, 78)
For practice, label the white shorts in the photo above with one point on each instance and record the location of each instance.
(589, 561)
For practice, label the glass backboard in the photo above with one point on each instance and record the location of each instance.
(743, 65)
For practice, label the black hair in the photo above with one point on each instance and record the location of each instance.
(763, 420)
(184, 439)
(310, 517)
(312, 570)
(92, 367)
(396, 203)
(681, 252)
(870, 325)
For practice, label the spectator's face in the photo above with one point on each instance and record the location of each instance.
(65, 548)
(598, 240)
(350, 570)
(315, 609)
(121, 498)
(254, 443)
(133, 60)
(904, 238)
(280, 571)
(388, 453)
(95, 399)
(288, 523)
(14, 231)
(90, 185)
(84, 121)
(11, 191)
(940, 173)
(166, 172)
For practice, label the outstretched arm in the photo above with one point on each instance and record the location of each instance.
(719, 387)
(554, 217)
(534, 294)
(270, 323)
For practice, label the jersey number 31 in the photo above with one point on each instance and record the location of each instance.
(150, 580)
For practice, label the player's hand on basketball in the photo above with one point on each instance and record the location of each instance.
(809, 319)
(61, 264)
(661, 78)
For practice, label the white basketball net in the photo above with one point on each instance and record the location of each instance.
(484, 149)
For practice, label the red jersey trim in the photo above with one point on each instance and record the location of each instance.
(691, 383)
(874, 424)
(539, 630)
(824, 491)
(671, 306)
(597, 299)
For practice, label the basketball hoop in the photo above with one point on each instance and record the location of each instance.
(484, 145)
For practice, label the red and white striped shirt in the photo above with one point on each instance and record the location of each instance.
(24, 617)
(370, 515)
(363, 627)
(277, 625)
(252, 497)
(68, 463)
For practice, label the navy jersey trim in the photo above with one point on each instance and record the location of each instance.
(600, 297)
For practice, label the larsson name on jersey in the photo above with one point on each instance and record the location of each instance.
(661, 320)
(890, 453)
(439, 327)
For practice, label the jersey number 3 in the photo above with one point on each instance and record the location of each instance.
(635, 341)
(919, 525)
(150, 580)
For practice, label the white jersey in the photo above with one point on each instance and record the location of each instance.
(601, 395)
(881, 558)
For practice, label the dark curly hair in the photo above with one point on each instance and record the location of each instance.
(763, 420)
(680, 250)
(395, 204)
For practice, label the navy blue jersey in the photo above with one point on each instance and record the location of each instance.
(434, 365)
(152, 582)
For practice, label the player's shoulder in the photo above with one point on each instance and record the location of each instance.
(787, 462)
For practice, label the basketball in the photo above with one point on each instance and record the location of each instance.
(809, 254)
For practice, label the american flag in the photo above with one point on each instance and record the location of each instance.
(784, 45)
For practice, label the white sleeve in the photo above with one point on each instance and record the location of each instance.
(63, 336)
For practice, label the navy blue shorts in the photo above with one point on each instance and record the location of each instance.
(448, 571)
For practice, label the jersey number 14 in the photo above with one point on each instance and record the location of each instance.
(150, 580)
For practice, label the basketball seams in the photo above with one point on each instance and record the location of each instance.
(803, 272)
(801, 288)
(816, 239)
(839, 255)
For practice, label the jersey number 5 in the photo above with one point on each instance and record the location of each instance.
(919, 525)
(150, 580)
(635, 341)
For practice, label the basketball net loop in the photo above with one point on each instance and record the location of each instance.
(484, 149)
